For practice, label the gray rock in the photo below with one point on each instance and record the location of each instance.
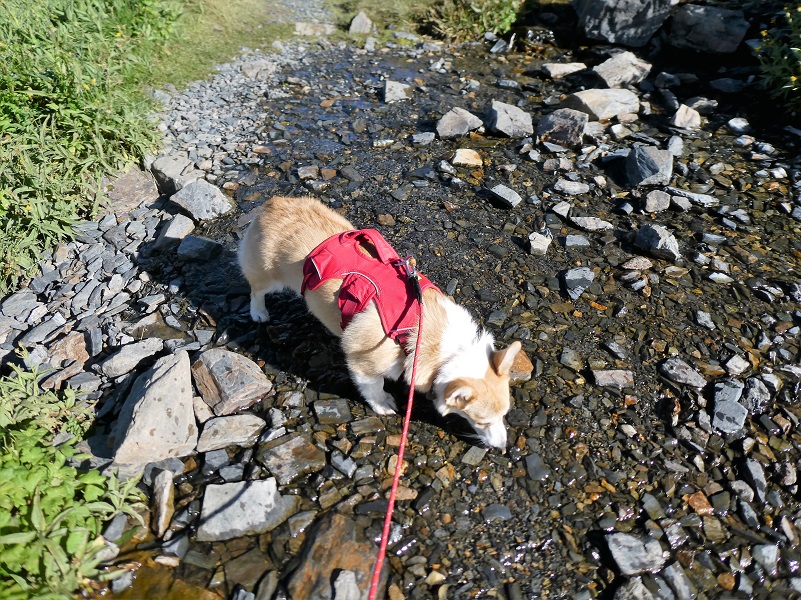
(509, 120)
(474, 456)
(613, 378)
(739, 125)
(657, 240)
(704, 200)
(173, 172)
(332, 412)
(536, 468)
(505, 195)
(129, 357)
(395, 91)
(559, 70)
(729, 416)
(127, 191)
(196, 248)
(707, 28)
(162, 502)
(43, 331)
(577, 280)
(705, 319)
(754, 474)
(656, 201)
(456, 123)
(649, 165)
(686, 118)
(19, 306)
(571, 359)
(571, 188)
(728, 391)
(679, 582)
(233, 510)
(602, 105)
(563, 126)
(345, 587)
(756, 396)
(174, 231)
(627, 22)
(591, 224)
(679, 371)
(623, 69)
(496, 512)
(228, 381)
(635, 554)
(202, 200)
(142, 433)
(767, 556)
(361, 25)
(539, 243)
(423, 139)
(290, 457)
(576, 241)
(235, 430)
(633, 589)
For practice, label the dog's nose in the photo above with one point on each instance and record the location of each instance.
(496, 435)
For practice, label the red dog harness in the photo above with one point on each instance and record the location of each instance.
(365, 278)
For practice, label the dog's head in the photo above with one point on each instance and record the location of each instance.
(484, 399)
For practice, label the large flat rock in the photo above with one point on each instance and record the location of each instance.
(228, 381)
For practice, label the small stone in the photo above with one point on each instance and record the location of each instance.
(173, 172)
(394, 91)
(290, 457)
(739, 125)
(174, 231)
(591, 224)
(638, 263)
(235, 430)
(423, 139)
(635, 554)
(756, 396)
(656, 201)
(332, 412)
(360, 25)
(679, 371)
(577, 280)
(576, 241)
(649, 165)
(229, 381)
(509, 120)
(768, 557)
(539, 243)
(602, 105)
(197, 248)
(728, 391)
(704, 200)
(564, 126)
(465, 157)
(129, 357)
(456, 123)
(729, 416)
(474, 456)
(755, 475)
(496, 512)
(705, 319)
(613, 378)
(308, 172)
(623, 69)
(507, 196)
(163, 498)
(536, 468)
(686, 118)
(559, 70)
(202, 200)
(657, 240)
(571, 188)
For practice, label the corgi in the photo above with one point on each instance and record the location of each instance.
(458, 365)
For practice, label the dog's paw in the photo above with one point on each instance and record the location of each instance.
(385, 405)
(260, 315)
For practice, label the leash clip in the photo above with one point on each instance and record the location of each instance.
(410, 265)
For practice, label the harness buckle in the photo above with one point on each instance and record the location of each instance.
(410, 266)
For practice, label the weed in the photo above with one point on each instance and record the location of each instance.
(780, 56)
(466, 20)
(50, 513)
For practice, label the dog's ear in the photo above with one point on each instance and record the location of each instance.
(502, 359)
(459, 394)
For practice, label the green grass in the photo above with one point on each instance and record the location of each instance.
(403, 15)
(51, 514)
(779, 54)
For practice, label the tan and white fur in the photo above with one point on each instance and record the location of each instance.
(458, 362)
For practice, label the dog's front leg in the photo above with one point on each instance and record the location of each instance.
(372, 388)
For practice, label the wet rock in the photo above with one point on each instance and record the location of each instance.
(768, 557)
(602, 105)
(456, 123)
(508, 197)
(623, 69)
(658, 241)
(755, 475)
(571, 188)
(235, 430)
(656, 201)
(633, 589)
(361, 25)
(686, 118)
(227, 381)
(233, 510)
(196, 248)
(577, 280)
(536, 468)
(707, 28)
(174, 231)
(539, 242)
(130, 190)
(474, 456)
(728, 391)
(394, 91)
(559, 70)
(333, 545)
(290, 457)
(627, 23)
(563, 126)
(345, 587)
(739, 125)
(496, 512)
(509, 120)
(163, 502)
(704, 200)
(679, 371)
(679, 582)
(521, 369)
(332, 412)
(649, 165)
(591, 223)
(635, 554)
(201, 200)
(613, 378)
(729, 416)
(128, 357)
(756, 396)
(142, 433)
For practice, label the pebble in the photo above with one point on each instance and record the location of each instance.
(130, 356)
(679, 371)
(457, 122)
(507, 196)
(635, 554)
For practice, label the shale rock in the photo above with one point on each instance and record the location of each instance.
(602, 105)
(627, 22)
(649, 165)
(229, 381)
(635, 554)
(202, 200)
(708, 28)
(456, 123)
(622, 69)
(509, 120)
(657, 240)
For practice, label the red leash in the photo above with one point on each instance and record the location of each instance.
(382, 549)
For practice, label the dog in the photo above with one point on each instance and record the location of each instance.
(281, 249)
